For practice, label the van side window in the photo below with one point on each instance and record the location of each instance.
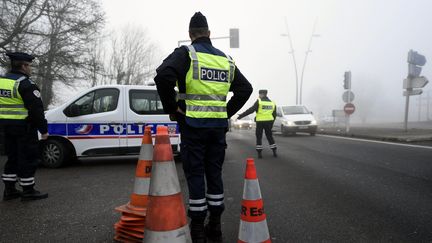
(145, 102)
(102, 100)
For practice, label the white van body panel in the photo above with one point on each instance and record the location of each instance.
(117, 131)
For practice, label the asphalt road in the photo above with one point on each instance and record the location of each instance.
(319, 189)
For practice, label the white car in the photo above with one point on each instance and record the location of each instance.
(246, 122)
(296, 118)
(104, 120)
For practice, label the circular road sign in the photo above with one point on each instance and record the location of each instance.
(349, 108)
(347, 94)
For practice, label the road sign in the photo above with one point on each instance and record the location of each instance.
(412, 92)
(347, 80)
(338, 113)
(419, 82)
(413, 83)
(349, 108)
(348, 96)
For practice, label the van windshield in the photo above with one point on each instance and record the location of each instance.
(290, 110)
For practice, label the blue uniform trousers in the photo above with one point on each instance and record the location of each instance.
(203, 154)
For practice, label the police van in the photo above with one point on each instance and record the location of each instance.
(104, 121)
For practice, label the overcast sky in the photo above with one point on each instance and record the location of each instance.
(369, 37)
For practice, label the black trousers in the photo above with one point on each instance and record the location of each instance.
(267, 127)
(22, 150)
(203, 154)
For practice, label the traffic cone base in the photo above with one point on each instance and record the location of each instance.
(254, 232)
(181, 235)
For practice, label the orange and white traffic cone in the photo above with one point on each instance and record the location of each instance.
(253, 223)
(166, 215)
(130, 228)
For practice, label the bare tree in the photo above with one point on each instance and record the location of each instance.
(131, 60)
(58, 32)
(16, 18)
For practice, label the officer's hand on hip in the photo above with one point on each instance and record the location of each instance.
(180, 111)
(44, 136)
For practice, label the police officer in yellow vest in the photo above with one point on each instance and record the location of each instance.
(265, 115)
(203, 75)
(21, 116)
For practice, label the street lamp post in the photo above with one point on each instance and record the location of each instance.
(293, 57)
(305, 60)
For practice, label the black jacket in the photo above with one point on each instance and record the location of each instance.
(30, 94)
(175, 67)
(254, 108)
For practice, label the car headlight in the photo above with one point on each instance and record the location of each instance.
(288, 123)
(314, 122)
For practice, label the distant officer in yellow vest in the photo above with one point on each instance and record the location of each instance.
(21, 117)
(265, 115)
(203, 75)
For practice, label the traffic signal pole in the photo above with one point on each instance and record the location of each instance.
(406, 112)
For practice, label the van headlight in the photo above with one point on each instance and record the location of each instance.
(288, 123)
(314, 122)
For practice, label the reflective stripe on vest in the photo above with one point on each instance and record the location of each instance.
(265, 110)
(11, 102)
(207, 84)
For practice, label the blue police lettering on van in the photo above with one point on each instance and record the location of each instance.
(211, 74)
(95, 129)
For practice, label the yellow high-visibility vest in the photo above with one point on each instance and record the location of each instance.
(265, 110)
(207, 85)
(11, 103)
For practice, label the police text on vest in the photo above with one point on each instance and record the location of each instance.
(210, 74)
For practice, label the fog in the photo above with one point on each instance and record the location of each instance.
(368, 37)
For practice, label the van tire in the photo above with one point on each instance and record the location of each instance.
(54, 153)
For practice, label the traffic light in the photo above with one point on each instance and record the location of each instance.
(234, 38)
(347, 80)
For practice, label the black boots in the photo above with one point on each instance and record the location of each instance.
(10, 191)
(29, 193)
(274, 152)
(259, 154)
(213, 229)
(197, 231)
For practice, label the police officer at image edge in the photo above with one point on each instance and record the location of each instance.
(204, 75)
(265, 115)
(21, 116)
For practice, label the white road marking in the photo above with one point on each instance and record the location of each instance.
(374, 141)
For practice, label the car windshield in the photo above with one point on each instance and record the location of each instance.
(245, 118)
(290, 110)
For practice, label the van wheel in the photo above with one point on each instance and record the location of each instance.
(54, 154)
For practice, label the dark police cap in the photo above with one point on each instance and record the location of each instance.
(262, 91)
(198, 20)
(20, 56)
